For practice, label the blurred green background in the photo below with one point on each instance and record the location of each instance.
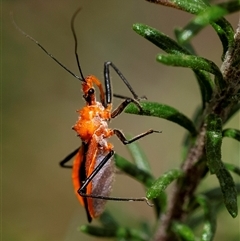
(40, 100)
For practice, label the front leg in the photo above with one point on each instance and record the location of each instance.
(123, 105)
(123, 139)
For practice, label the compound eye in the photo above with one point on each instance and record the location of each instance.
(91, 91)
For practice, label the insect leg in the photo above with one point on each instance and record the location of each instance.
(68, 158)
(94, 173)
(108, 88)
(123, 139)
(82, 190)
(123, 105)
(127, 97)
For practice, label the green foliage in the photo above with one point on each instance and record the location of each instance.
(183, 231)
(163, 182)
(165, 112)
(232, 133)
(228, 190)
(202, 148)
(214, 143)
(209, 222)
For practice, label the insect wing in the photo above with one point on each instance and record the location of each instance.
(102, 183)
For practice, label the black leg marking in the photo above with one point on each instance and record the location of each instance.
(123, 139)
(126, 97)
(95, 171)
(108, 88)
(123, 105)
(68, 158)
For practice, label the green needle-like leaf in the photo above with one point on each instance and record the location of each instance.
(225, 33)
(193, 7)
(229, 191)
(232, 112)
(186, 44)
(232, 133)
(131, 234)
(139, 157)
(201, 21)
(121, 232)
(162, 183)
(195, 63)
(230, 6)
(159, 39)
(108, 221)
(199, 7)
(172, 47)
(214, 143)
(232, 168)
(183, 231)
(206, 86)
(163, 111)
(142, 176)
(215, 197)
(188, 140)
(209, 227)
(215, 194)
(212, 15)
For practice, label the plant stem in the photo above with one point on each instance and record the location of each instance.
(194, 166)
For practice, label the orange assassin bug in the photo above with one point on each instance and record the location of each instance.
(93, 168)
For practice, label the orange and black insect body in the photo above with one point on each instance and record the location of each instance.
(93, 166)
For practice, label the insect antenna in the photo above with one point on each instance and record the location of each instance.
(76, 42)
(40, 46)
